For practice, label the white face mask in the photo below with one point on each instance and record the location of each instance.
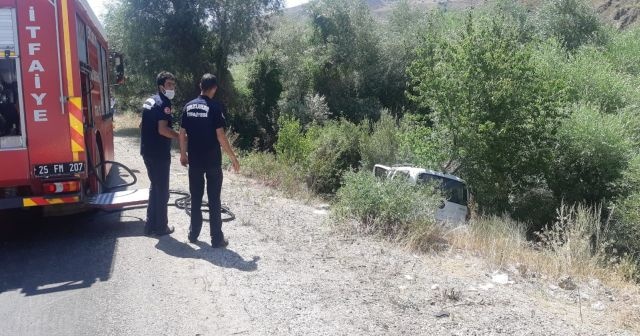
(170, 94)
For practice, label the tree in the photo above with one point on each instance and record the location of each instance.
(572, 22)
(498, 111)
(235, 25)
(347, 58)
(265, 89)
(187, 37)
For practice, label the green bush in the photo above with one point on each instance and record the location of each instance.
(335, 151)
(592, 153)
(423, 145)
(265, 168)
(382, 145)
(389, 206)
(625, 227)
(292, 146)
(623, 51)
(590, 75)
(536, 208)
(594, 79)
(496, 109)
(573, 22)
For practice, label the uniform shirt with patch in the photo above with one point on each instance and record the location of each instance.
(201, 118)
(152, 143)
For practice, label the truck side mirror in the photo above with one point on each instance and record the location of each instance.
(117, 64)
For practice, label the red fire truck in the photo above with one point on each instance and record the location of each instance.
(56, 121)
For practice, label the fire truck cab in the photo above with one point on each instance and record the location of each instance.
(56, 122)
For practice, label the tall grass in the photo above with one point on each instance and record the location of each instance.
(264, 168)
(575, 244)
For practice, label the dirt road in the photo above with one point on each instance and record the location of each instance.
(287, 271)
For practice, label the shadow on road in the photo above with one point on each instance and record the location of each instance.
(226, 258)
(40, 255)
(61, 253)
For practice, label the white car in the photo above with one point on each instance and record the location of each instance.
(455, 209)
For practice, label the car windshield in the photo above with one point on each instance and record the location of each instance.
(455, 191)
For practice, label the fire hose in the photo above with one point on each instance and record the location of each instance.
(183, 202)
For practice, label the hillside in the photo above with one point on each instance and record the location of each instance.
(620, 13)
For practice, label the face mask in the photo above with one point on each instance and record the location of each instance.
(169, 94)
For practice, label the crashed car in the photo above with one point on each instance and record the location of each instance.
(454, 209)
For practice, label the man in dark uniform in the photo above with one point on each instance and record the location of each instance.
(155, 147)
(201, 136)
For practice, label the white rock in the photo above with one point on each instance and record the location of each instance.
(500, 279)
(554, 287)
(408, 277)
(472, 289)
(324, 207)
(435, 287)
(486, 286)
(599, 306)
(321, 212)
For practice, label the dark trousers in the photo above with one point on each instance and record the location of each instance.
(213, 173)
(158, 171)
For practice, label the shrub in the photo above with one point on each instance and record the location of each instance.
(594, 79)
(385, 206)
(625, 228)
(292, 147)
(536, 208)
(382, 145)
(497, 110)
(265, 168)
(592, 153)
(590, 75)
(423, 145)
(624, 49)
(572, 22)
(335, 151)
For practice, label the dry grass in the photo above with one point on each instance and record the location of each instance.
(573, 246)
(264, 168)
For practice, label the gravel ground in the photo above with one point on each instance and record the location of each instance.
(288, 271)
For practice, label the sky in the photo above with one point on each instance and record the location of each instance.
(98, 5)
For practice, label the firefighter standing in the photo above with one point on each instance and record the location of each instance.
(202, 136)
(155, 147)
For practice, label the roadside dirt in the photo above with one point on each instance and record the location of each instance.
(302, 274)
(290, 269)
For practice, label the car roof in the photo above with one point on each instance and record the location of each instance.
(418, 171)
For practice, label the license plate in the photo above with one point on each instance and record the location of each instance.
(59, 169)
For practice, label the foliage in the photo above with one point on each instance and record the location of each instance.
(626, 228)
(424, 145)
(589, 76)
(623, 50)
(265, 168)
(292, 147)
(264, 90)
(346, 58)
(592, 152)
(208, 31)
(335, 151)
(389, 205)
(572, 22)
(381, 146)
(498, 111)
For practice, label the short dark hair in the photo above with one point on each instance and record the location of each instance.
(163, 76)
(208, 82)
